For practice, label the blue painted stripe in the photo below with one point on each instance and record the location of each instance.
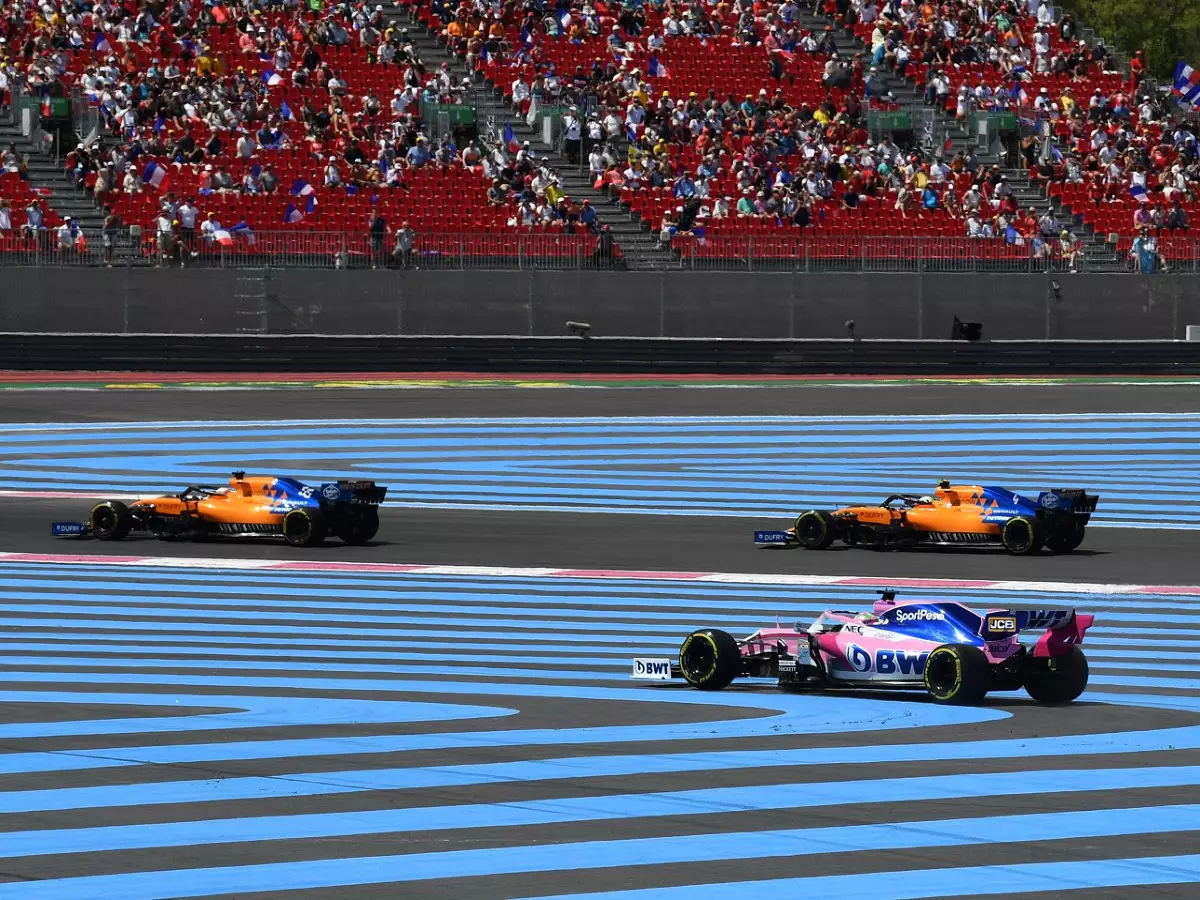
(311, 875)
(244, 711)
(550, 596)
(704, 801)
(716, 465)
(1044, 879)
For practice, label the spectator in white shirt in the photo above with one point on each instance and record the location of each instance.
(187, 214)
(210, 227)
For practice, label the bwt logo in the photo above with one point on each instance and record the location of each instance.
(859, 659)
(919, 615)
(652, 668)
(900, 662)
(1048, 618)
(886, 662)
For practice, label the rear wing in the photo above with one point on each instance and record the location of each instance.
(1064, 627)
(367, 492)
(1062, 502)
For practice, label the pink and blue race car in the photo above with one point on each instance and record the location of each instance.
(955, 653)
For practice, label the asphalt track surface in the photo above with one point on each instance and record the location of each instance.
(409, 735)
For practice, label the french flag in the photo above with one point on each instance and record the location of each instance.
(286, 112)
(301, 188)
(271, 78)
(156, 176)
(1187, 84)
(510, 140)
(223, 237)
(243, 230)
(1138, 192)
(291, 215)
(655, 68)
(100, 43)
(564, 19)
(526, 36)
(1018, 93)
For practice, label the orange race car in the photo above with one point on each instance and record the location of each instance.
(955, 515)
(258, 506)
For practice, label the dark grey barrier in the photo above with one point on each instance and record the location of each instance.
(389, 353)
(638, 304)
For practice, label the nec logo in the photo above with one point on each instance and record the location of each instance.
(1001, 623)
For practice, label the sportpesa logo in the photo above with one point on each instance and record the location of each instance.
(918, 615)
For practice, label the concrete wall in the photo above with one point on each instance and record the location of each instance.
(650, 304)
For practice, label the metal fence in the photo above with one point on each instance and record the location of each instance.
(305, 249)
(857, 253)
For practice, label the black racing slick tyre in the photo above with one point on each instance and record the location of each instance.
(304, 527)
(1023, 536)
(710, 659)
(110, 520)
(357, 525)
(1057, 679)
(1065, 538)
(815, 529)
(957, 674)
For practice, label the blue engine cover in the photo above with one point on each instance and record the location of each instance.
(942, 623)
(1001, 504)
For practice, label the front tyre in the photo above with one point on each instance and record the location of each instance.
(1023, 536)
(815, 529)
(1066, 538)
(110, 520)
(710, 659)
(357, 526)
(304, 527)
(1057, 679)
(957, 674)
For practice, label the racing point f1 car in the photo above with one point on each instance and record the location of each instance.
(956, 515)
(955, 653)
(258, 506)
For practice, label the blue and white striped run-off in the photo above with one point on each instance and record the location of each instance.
(1146, 468)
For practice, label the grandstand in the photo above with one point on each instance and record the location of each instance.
(827, 135)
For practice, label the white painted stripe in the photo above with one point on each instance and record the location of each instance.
(401, 569)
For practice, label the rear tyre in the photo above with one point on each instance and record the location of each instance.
(1057, 679)
(357, 525)
(815, 529)
(1066, 538)
(710, 659)
(304, 527)
(957, 674)
(110, 520)
(1023, 536)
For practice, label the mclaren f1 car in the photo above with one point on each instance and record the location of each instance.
(256, 506)
(955, 515)
(955, 653)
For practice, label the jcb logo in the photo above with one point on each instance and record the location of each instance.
(1001, 623)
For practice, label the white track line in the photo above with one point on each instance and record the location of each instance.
(300, 565)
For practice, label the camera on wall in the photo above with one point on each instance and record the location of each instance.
(579, 329)
(966, 331)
